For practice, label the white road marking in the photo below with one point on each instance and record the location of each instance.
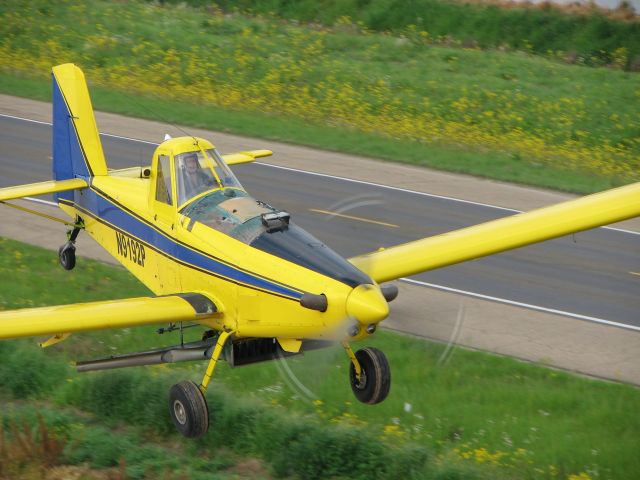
(442, 197)
(520, 304)
(38, 200)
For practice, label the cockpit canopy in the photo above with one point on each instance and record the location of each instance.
(200, 171)
(185, 168)
(192, 177)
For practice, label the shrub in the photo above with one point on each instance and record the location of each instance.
(28, 372)
(293, 445)
(136, 396)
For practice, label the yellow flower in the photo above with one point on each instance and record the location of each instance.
(579, 476)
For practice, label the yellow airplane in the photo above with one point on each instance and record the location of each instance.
(258, 284)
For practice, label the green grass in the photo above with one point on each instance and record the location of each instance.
(505, 115)
(528, 417)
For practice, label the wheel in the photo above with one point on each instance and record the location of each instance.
(67, 256)
(188, 409)
(375, 380)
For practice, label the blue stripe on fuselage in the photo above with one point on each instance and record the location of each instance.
(110, 212)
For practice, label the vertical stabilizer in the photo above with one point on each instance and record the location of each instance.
(77, 151)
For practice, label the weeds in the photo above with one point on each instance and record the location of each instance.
(28, 448)
(40, 442)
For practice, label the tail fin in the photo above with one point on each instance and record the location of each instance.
(77, 151)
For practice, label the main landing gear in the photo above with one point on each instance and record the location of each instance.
(188, 409)
(67, 252)
(187, 404)
(369, 374)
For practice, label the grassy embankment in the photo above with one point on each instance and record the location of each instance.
(511, 116)
(39, 440)
(584, 35)
(470, 414)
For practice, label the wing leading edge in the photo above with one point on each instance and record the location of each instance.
(500, 235)
(131, 312)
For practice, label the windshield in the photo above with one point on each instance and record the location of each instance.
(299, 246)
(201, 171)
(229, 211)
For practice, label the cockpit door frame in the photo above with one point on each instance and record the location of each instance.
(165, 218)
(164, 214)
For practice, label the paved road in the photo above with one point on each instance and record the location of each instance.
(608, 4)
(592, 274)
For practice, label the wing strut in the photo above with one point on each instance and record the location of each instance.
(39, 214)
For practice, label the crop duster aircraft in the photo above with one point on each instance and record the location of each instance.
(258, 284)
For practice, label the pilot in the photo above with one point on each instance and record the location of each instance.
(195, 180)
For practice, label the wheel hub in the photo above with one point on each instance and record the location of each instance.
(180, 412)
(362, 383)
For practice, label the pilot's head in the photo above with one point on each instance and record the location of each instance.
(191, 162)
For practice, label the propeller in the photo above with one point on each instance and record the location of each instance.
(365, 306)
(455, 334)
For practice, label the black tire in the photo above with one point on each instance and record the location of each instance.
(375, 381)
(188, 409)
(67, 256)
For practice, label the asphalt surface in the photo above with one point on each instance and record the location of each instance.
(470, 320)
(591, 274)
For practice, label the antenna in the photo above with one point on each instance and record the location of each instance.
(158, 117)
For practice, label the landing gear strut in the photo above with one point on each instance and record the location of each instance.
(187, 404)
(67, 252)
(369, 374)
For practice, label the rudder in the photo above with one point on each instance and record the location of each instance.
(77, 150)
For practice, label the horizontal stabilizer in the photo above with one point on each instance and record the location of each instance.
(245, 157)
(41, 188)
(501, 235)
(80, 317)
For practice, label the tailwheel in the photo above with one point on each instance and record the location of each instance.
(374, 380)
(188, 409)
(67, 256)
(67, 252)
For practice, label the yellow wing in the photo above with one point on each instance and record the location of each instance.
(500, 235)
(42, 188)
(245, 157)
(81, 317)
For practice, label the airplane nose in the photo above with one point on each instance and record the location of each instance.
(366, 304)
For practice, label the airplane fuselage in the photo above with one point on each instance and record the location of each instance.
(177, 254)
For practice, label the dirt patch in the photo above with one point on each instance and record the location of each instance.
(250, 468)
